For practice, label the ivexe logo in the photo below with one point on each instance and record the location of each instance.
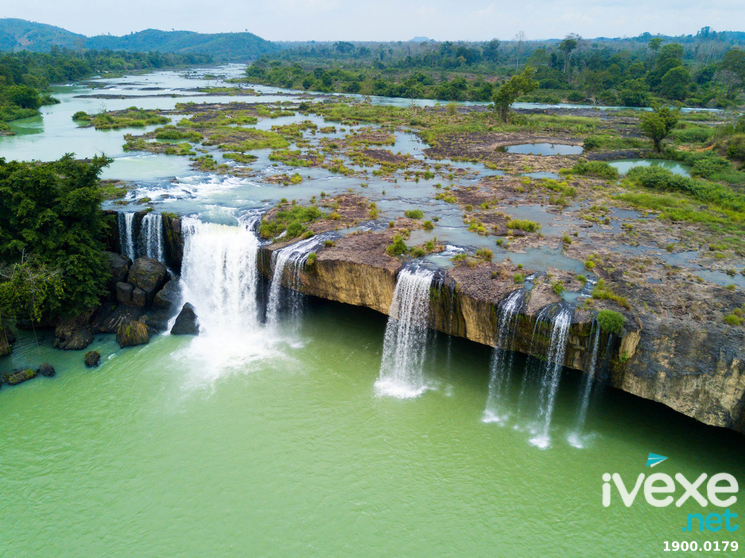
(659, 489)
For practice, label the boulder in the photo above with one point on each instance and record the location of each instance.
(118, 270)
(73, 334)
(131, 333)
(6, 340)
(169, 296)
(19, 376)
(139, 298)
(92, 358)
(108, 317)
(186, 323)
(149, 275)
(124, 292)
(46, 370)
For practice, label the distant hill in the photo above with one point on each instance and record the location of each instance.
(18, 34)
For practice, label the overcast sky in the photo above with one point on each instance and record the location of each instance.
(387, 20)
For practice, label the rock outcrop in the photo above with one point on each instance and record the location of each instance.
(132, 333)
(696, 369)
(92, 358)
(186, 323)
(6, 340)
(149, 276)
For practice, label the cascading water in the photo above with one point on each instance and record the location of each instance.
(291, 257)
(126, 234)
(502, 356)
(405, 345)
(575, 437)
(554, 362)
(151, 235)
(220, 278)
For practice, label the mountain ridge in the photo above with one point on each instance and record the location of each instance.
(20, 34)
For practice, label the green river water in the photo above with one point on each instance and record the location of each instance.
(274, 442)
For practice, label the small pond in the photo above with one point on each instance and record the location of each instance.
(626, 165)
(542, 149)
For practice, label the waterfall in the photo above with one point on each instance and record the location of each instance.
(502, 355)
(554, 362)
(151, 235)
(126, 234)
(575, 437)
(405, 344)
(291, 257)
(219, 274)
(220, 278)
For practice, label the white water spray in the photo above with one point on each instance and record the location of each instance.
(405, 345)
(221, 279)
(291, 257)
(151, 235)
(126, 234)
(502, 356)
(575, 437)
(554, 364)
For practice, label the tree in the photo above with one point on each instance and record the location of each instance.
(511, 90)
(51, 224)
(26, 288)
(567, 46)
(675, 82)
(519, 39)
(658, 124)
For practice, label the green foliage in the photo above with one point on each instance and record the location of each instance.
(523, 225)
(173, 133)
(511, 90)
(292, 219)
(397, 247)
(558, 288)
(311, 259)
(51, 222)
(661, 179)
(611, 321)
(414, 214)
(484, 254)
(602, 292)
(519, 278)
(428, 225)
(598, 169)
(132, 117)
(658, 124)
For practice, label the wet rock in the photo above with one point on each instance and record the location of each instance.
(20, 376)
(73, 334)
(169, 296)
(173, 242)
(46, 370)
(6, 340)
(131, 333)
(186, 322)
(92, 358)
(139, 298)
(149, 275)
(124, 292)
(108, 317)
(118, 269)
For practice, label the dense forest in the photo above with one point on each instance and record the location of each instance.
(25, 76)
(705, 70)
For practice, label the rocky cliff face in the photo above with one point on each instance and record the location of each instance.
(698, 371)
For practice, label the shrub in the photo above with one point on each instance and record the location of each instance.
(519, 278)
(602, 292)
(598, 169)
(398, 246)
(418, 252)
(523, 225)
(428, 225)
(414, 214)
(485, 254)
(311, 258)
(611, 321)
